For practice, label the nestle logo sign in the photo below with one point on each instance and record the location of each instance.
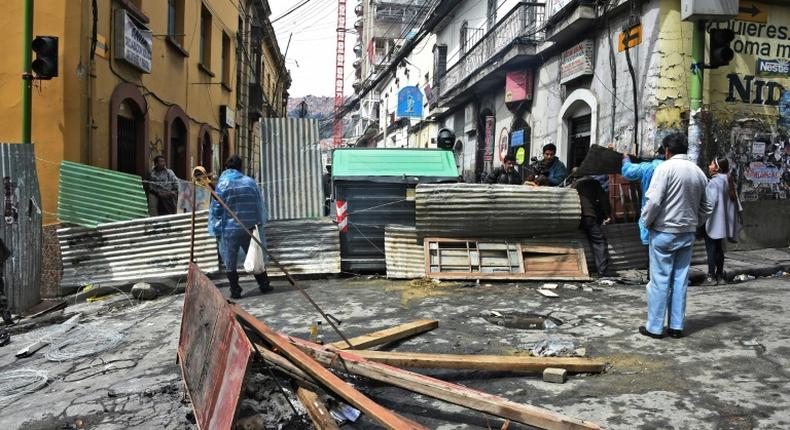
(781, 67)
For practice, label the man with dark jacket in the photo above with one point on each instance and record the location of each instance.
(595, 212)
(506, 174)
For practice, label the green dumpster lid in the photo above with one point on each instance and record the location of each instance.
(379, 164)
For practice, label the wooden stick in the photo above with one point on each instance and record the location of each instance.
(383, 416)
(438, 389)
(282, 364)
(389, 335)
(523, 364)
(316, 409)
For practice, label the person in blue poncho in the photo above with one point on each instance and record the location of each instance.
(243, 197)
(642, 172)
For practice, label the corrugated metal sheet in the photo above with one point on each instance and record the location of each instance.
(304, 246)
(291, 168)
(140, 249)
(89, 196)
(494, 211)
(371, 207)
(405, 253)
(21, 233)
(158, 247)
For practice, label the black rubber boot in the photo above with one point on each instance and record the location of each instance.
(263, 282)
(235, 288)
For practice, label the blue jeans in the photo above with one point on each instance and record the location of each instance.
(670, 258)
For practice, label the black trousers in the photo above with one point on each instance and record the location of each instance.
(595, 235)
(715, 251)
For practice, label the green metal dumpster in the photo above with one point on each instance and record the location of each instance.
(373, 188)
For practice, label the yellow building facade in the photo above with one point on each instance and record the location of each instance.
(137, 78)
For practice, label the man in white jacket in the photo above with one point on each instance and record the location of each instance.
(676, 204)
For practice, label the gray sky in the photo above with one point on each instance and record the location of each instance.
(311, 56)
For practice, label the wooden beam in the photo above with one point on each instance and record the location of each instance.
(523, 364)
(316, 409)
(389, 335)
(282, 364)
(438, 389)
(382, 415)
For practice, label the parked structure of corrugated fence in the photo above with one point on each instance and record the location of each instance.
(89, 196)
(495, 211)
(404, 251)
(291, 168)
(21, 231)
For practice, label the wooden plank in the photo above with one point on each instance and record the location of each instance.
(316, 409)
(504, 363)
(548, 249)
(383, 416)
(389, 335)
(438, 389)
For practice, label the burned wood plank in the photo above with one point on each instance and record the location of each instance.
(389, 335)
(328, 379)
(438, 389)
(316, 409)
(508, 363)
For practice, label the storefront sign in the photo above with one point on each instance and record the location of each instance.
(760, 173)
(132, 41)
(489, 139)
(227, 116)
(577, 61)
(410, 102)
(518, 86)
(517, 138)
(773, 67)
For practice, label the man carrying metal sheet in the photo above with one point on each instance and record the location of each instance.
(241, 194)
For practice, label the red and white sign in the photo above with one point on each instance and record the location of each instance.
(489, 139)
(342, 215)
(577, 61)
(518, 86)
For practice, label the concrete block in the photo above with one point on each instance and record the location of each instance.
(555, 375)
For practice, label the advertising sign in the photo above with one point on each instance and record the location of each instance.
(760, 173)
(410, 102)
(489, 139)
(577, 61)
(518, 86)
(132, 42)
(517, 138)
(773, 67)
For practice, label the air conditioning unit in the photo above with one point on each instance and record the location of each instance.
(710, 10)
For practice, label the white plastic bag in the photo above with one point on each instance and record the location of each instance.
(255, 263)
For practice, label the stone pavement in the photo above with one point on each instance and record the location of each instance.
(730, 372)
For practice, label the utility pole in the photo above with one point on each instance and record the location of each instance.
(695, 102)
(27, 72)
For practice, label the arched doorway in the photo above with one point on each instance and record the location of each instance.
(578, 128)
(206, 149)
(176, 141)
(128, 131)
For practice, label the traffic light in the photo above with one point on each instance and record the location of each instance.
(720, 52)
(45, 66)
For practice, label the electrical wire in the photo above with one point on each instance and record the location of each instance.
(84, 341)
(17, 383)
(290, 11)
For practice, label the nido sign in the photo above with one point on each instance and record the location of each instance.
(132, 42)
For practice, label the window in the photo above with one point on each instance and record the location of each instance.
(225, 71)
(175, 21)
(205, 40)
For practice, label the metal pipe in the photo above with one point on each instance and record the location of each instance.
(27, 72)
(291, 280)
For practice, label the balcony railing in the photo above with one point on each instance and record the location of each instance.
(524, 21)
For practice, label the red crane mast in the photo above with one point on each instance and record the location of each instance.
(340, 60)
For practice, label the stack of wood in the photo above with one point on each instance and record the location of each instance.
(309, 365)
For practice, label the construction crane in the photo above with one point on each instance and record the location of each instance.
(340, 60)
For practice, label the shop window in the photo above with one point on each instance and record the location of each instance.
(205, 40)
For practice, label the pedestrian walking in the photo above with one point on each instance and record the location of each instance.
(507, 174)
(676, 204)
(241, 194)
(723, 222)
(596, 212)
(162, 189)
